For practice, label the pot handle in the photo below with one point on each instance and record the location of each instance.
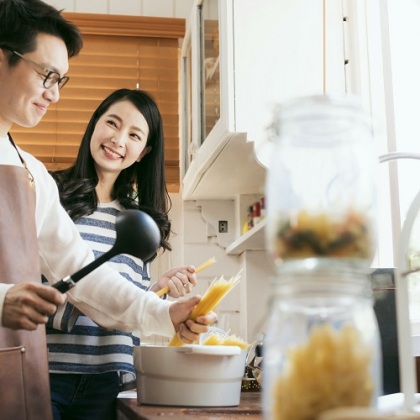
(211, 350)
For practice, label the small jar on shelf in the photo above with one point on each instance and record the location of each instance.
(250, 217)
(256, 215)
(262, 205)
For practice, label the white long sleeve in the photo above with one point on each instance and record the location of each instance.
(105, 296)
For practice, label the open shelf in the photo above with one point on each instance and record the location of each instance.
(253, 240)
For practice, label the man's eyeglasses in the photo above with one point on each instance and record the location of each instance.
(50, 79)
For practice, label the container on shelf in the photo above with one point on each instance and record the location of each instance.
(250, 217)
(262, 205)
(321, 197)
(256, 216)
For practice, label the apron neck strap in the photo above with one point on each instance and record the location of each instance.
(31, 178)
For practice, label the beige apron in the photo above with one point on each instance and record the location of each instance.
(24, 380)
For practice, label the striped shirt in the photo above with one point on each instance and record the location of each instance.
(75, 343)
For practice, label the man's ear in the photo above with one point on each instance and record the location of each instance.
(145, 151)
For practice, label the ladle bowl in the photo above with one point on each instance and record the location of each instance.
(137, 235)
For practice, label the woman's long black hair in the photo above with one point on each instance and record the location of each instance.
(140, 186)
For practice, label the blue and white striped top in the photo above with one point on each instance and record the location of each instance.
(77, 344)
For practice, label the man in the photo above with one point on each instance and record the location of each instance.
(36, 235)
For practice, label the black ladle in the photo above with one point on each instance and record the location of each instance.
(137, 235)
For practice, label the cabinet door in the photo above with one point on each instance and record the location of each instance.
(191, 85)
(216, 62)
(210, 39)
(279, 55)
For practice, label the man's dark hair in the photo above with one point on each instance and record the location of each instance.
(22, 20)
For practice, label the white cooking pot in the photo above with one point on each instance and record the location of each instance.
(189, 376)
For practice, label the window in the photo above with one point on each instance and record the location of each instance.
(119, 52)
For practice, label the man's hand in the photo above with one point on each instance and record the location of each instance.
(189, 331)
(28, 304)
(180, 280)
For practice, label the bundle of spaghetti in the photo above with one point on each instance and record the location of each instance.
(331, 370)
(213, 340)
(232, 340)
(214, 294)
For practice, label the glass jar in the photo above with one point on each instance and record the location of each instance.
(322, 347)
(321, 197)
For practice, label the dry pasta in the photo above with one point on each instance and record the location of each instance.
(331, 370)
(214, 294)
(213, 340)
(307, 235)
(232, 340)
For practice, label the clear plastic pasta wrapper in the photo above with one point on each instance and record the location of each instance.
(321, 234)
(333, 369)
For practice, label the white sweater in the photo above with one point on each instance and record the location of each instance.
(103, 295)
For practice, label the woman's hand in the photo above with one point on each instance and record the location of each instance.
(188, 330)
(180, 281)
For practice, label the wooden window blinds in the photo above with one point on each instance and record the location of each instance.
(119, 52)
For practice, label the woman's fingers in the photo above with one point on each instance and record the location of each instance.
(181, 283)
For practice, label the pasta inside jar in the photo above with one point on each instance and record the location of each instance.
(331, 370)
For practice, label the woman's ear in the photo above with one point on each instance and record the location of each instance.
(145, 151)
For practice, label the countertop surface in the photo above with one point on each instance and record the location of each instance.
(249, 408)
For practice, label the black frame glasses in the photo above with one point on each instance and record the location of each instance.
(50, 79)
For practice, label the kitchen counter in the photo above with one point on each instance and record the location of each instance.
(249, 408)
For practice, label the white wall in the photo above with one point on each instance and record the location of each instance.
(394, 94)
(157, 8)
(404, 16)
(404, 35)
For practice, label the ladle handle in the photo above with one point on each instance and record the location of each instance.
(64, 285)
(70, 281)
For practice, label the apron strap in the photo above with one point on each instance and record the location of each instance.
(31, 177)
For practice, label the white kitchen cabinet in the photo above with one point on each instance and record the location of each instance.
(267, 52)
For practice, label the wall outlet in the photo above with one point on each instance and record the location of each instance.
(223, 226)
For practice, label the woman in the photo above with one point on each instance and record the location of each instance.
(120, 165)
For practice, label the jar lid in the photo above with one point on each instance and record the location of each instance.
(342, 111)
(324, 105)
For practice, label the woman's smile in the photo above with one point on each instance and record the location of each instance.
(119, 138)
(111, 153)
